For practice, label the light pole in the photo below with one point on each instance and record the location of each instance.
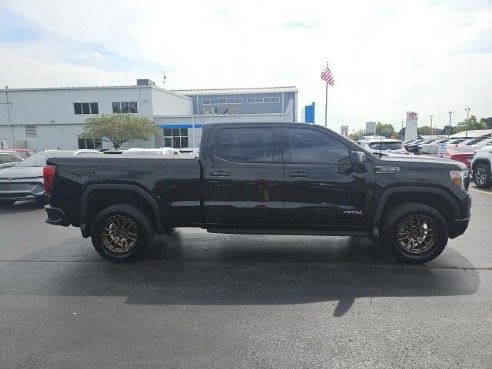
(467, 115)
(431, 116)
(402, 136)
(449, 126)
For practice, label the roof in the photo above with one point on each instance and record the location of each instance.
(237, 91)
(473, 134)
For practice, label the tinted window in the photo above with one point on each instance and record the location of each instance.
(77, 107)
(309, 146)
(385, 145)
(116, 108)
(94, 108)
(247, 145)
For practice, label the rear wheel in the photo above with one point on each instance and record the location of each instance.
(482, 176)
(121, 233)
(414, 233)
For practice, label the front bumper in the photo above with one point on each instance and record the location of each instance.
(56, 216)
(459, 226)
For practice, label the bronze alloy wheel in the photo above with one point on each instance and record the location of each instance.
(416, 234)
(119, 234)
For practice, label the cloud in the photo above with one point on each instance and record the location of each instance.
(387, 57)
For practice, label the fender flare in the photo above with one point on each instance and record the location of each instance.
(127, 187)
(482, 160)
(378, 214)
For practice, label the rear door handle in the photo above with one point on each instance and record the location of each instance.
(220, 173)
(298, 174)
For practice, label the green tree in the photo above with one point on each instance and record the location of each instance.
(424, 130)
(487, 121)
(386, 130)
(119, 128)
(470, 124)
(356, 136)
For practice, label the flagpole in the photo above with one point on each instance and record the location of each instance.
(326, 102)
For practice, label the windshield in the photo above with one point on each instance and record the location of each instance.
(39, 160)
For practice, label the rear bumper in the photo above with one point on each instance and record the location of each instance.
(56, 216)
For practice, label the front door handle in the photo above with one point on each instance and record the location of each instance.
(298, 174)
(220, 173)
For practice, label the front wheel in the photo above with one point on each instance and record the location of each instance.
(414, 233)
(121, 233)
(482, 176)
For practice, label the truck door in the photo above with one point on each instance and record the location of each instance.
(323, 187)
(243, 175)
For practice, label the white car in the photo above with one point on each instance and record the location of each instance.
(482, 166)
(158, 151)
(386, 145)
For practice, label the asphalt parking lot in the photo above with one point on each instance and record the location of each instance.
(201, 300)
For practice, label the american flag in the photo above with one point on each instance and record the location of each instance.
(327, 76)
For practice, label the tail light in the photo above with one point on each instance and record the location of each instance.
(49, 172)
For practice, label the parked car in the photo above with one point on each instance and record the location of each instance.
(478, 144)
(23, 153)
(482, 167)
(462, 154)
(378, 146)
(262, 178)
(9, 159)
(24, 181)
(158, 151)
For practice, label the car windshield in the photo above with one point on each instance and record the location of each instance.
(39, 160)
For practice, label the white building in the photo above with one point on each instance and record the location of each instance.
(47, 118)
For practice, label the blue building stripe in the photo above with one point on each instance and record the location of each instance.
(171, 125)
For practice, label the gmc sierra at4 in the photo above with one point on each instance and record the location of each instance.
(262, 178)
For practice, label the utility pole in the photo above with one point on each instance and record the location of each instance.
(449, 126)
(9, 123)
(467, 115)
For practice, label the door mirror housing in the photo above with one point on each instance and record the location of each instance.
(357, 157)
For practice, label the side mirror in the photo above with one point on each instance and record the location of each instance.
(357, 157)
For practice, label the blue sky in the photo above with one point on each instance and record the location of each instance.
(387, 57)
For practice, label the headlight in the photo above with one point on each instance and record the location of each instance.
(458, 178)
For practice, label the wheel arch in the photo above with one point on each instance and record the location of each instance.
(436, 198)
(97, 197)
(482, 161)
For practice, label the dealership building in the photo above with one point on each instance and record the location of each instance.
(47, 118)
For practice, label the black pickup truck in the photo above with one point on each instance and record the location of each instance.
(262, 178)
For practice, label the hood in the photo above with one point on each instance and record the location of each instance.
(21, 172)
(423, 161)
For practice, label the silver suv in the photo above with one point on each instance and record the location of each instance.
(481, 166)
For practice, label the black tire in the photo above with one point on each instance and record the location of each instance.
(481, 175)
(7, 203)
(121, 233)
(414, 233)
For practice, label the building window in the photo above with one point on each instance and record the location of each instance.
(264, 100)
(31, 131)
(221, 101)
(125, 107)
(86, 108)
(89, 143)
(176, 137)
(210, 110)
